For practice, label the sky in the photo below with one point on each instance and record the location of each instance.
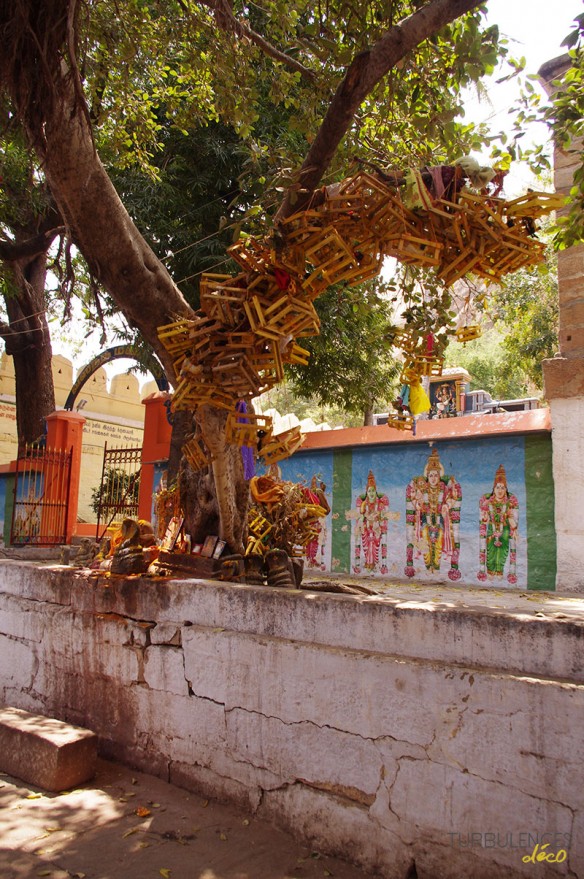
(535, 30)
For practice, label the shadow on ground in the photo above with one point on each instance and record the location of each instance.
(128, 825)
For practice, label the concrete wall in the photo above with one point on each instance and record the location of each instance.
(389, 730)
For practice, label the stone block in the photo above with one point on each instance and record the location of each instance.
(18, 667)
(45, 752)
(563, 378)
(164, 670)
(365, 695)
(347, 765)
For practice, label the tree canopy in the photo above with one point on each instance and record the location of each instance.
(95, 85)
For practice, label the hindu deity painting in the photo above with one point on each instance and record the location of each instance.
(371, 515)
(314, 550)
(443, 400)
(27, 520)
(498, 520)
(433, 503)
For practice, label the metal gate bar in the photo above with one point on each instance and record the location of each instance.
(120, 481)
(41, 496)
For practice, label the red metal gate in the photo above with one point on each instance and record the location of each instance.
(41, 496)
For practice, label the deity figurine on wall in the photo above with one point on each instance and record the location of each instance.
(499, 514)
(371, 515)
(314, 551)
(443, 400)
(433, 519)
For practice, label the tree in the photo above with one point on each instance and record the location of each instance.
(527, 306)
(30, 222)
(565, 117)
(490, 367)
(563, 114)
(40, 72)
(118, 489)
(351, 361)
(522, 331)
(188, 214)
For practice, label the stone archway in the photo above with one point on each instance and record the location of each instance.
(117, 352)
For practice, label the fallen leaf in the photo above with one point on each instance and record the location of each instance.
(79, 875)
(142, 811)
(144, 845)
(205, 803)
(155, 805)
(33, 796)
(223, 837)
(45, 873)
(134, 781)
(52, 829)
(165, 872)
(327, 873)
(129, 832)
(245, 822)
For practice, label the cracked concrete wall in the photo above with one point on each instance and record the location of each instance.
(390, 733)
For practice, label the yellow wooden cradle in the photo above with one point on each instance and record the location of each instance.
(281, 446)
(237, 344)
(244, 429)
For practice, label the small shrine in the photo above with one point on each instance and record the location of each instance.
(447, 393)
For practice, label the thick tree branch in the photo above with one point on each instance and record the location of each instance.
(227, 21)
(11, 251)
(363, 74)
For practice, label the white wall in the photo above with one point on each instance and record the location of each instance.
(568, 465)
(384, 731)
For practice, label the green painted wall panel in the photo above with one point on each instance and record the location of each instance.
(541, 533)
(341, 534)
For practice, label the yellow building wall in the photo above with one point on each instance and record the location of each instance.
(114, 416)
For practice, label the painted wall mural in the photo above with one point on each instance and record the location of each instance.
(315, 551)
(498, 531)
(433, 502)
(370, 515)
(316, 472)
(477, 511)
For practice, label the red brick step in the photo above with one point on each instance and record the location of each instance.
(45, 752)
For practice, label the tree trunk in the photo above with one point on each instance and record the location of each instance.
(215, 499)
(227, 467)
(101, 227)
(28, 340)
(139, 283)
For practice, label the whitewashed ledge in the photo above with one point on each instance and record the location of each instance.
(393, 730)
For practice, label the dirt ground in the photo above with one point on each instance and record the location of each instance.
(128, 825)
